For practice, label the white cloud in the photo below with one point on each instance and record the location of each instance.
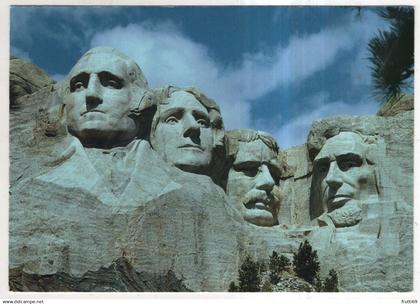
(296, 130)
(168, 56)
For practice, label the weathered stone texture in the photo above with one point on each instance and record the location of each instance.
(77, 222)
(119, 276)
(295, 186)
(25, 78)
(406, 103)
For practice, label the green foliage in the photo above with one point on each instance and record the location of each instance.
(266, 287)
(262, 267)
(318, 284)
(284, 263)
(233, 287)
(392, 52)
(305, 262)
(276, 266)
(249, 277)
(331, 282)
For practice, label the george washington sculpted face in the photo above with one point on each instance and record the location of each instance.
(100, 99)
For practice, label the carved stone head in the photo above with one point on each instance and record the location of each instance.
(253, 177)
(344, 175)
(101, 90)
(186, 129)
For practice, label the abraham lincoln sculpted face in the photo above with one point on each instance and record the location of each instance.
(344, 176)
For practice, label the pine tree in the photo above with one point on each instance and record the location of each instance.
(276, 266)
(249, 277)
(331, 282)
(284, 263)
(233, 287)
(318, 284)
(273, 266)
(305, 262)
(392, 53)
(261, 267)
(266, 287)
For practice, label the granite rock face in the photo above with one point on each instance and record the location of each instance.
(406, 103)
(121, 218)
(119, 276)
(25, 78)
(369, 254)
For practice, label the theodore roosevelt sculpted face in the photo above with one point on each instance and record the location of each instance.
(254, 177)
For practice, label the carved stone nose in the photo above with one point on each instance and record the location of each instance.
(191, 127)
(264, 179)
(334, 179)
(93, 94)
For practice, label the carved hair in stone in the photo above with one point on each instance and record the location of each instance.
(254, 174)
(99, 95)
(187, 129)
(344, 177)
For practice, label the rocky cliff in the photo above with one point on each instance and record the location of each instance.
(171, 230)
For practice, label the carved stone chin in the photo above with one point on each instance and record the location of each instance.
(346, 216)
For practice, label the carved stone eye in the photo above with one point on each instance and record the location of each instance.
(109, 80)
(203, 123)
(323, 168)
(113, 83)
(251, 172)
(347, 164)
(171, 120)
(78, 85)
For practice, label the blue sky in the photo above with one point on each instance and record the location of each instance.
(270, 68)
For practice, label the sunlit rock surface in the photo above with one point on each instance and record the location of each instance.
(25, 78)
(141, 225)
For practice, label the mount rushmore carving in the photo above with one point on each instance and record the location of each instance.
(104, 167)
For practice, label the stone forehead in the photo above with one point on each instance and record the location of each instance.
(344, 142)
(183, 99)
(237, 136)
(255, 150)
(106, 50)
(209, 103)
(99, 60)
(111, 59)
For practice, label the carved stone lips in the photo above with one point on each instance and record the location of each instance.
(339, 200)
(258, 203)
(89, 111)
(191, 146)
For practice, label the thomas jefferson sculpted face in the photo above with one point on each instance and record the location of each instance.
(253, 180)
(100, 98)
(183, 134)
